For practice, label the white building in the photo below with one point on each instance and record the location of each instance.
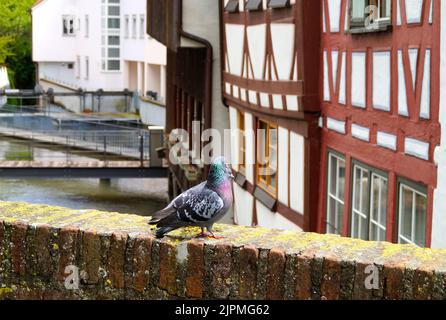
(97, 44)
(4, 80)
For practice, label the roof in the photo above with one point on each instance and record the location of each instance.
(37, 3)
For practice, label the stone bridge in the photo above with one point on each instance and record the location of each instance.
(56, 253)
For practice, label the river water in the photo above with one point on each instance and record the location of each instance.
(135, 196)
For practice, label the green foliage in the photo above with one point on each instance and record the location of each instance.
(15, 41)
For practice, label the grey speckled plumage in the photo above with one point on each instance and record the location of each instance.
(200, 206)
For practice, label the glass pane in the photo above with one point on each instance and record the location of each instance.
(113, 40)
(383, 210)
(358, 7)
(357, 189)
(339, 214)
(374, 232)
(114, 11)
(375, 205)
(420, 220)
(341, 180)
(273, 182)
(114, 65)
(355, 225)
(406, 212)
(113, 52)
(114, 23)
(331, 212)
(382, 235)
(363, 228)
(364, 195)
(333, 173)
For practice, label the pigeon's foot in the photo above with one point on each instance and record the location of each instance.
(208, 235)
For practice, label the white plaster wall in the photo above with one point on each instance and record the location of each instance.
(250, 147)
(358, 79)
(234, 39)
(413, 10)
(282, 35)
(243, 206)
(426, 93)
(273, 220)
(334, 10)
(381, 80)
(233, 119)
(439, 211)
(297, 173)
(4, 79)
(202, 19)
(342, 85)
(402, 93)
(283, 155)
(257, 48)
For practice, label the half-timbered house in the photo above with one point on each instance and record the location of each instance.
(270, 79)
(381, 121)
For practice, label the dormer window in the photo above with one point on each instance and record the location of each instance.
(370, 15)
(254, 5)
(275, 4)
(232, 6)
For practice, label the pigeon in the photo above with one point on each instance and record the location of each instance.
(200, 206)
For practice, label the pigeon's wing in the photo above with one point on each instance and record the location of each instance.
(200, 206)
(175, 204)
(194, 208)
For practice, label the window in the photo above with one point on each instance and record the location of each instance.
(127, 26)
(370, 15)
(111, 41)
(134, 26)
(335, 194)
(68, 26)
(278, 3)
(412, 214)
(242, 144)
(142, 26)
(369, 204)
(87, 26)
(254, 5)
(232, 6)
(87, 68)
(78, 67)
(267, 156)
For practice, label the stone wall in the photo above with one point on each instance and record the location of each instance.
(117, 257)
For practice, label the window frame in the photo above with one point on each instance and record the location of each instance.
(416, 188)
(357, 25)
(371, 172)
(142, 23)
(242, 143)
(338, 156)
(262, 183)
(68, 17)
(87, 26)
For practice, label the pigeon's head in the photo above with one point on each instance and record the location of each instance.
(219, 170)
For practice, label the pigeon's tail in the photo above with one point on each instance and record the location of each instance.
(160, 232)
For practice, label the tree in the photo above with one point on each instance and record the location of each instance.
(15, 41)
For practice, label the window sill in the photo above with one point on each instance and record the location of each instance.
(240, 179)
(265, 198)
(385, 27)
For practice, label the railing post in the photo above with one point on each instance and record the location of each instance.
(141, 149)
(156, 141)
(105, 148)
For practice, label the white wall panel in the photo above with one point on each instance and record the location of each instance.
(250, 147)
(334, 10)
(402, 93)
(413, 11)
(381, 80)
(273, 220)
(257, 48)
(243, 206)
(282, 35)
(342, 84)
(283, 155)
(297, 173)
(358, 79)
(234, 38)
(426, 93)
